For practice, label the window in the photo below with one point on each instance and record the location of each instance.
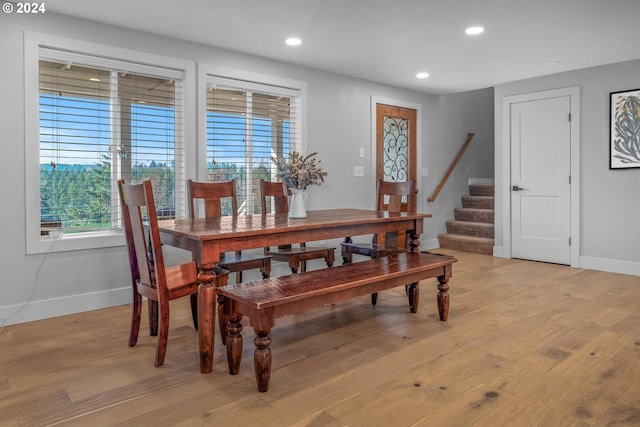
(246, 124)
(100, 120)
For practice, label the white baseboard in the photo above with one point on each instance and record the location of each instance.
(429, 244)
(54, 307)
(610, 265)
(498, 251)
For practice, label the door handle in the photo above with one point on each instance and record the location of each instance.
(518, 188)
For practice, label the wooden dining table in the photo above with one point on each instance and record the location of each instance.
(208, 238)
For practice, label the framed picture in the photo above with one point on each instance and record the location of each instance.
(624, 139)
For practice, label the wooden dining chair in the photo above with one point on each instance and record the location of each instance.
(389, 198)
(295, 256)
(212, 195)
(150, 277)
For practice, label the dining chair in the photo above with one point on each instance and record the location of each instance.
(150, 277)
(212, 194)
(389, 198)
(295, 256)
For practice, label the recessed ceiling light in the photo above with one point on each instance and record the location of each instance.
(551, 63)
(472, 31)
(94, 79)
(422, 75)
(293, 41)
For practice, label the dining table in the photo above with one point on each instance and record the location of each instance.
(208, 238)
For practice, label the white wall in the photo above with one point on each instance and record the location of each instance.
(40, 286)
(609, 199)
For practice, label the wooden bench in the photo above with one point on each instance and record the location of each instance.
(265, 300)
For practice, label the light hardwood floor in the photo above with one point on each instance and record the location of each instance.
(526, 344)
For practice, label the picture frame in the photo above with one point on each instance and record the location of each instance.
(624, 129)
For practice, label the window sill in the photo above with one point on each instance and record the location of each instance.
(71, 242)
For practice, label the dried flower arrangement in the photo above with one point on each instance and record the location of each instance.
(299, 172)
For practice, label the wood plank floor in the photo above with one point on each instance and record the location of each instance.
(526, 344)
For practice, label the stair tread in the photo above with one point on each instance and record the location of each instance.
(466, 237)
(471, 223)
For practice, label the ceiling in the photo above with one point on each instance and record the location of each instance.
(391, 41)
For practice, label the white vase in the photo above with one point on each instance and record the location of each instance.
(296, 203)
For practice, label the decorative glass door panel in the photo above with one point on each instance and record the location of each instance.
(396, 149)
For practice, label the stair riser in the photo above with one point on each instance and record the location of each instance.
(449, 241)
(477, 202)
(481, 190)
(474, 215)
(470, 229)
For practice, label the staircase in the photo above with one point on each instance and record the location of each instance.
(472, 229)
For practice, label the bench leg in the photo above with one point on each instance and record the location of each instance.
(443, 297)
(413, 292)
(262, 359)
(234, 342)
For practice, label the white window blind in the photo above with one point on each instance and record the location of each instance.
(247, 124)
(102, 120)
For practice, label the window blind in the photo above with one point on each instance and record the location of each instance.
(102, 120)
(247, 124)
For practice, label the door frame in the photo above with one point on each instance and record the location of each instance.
(403, 104)
(574, 95)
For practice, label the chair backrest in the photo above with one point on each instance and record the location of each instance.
(277, 191)
(212, 193)
(390, 195)
(389, 198)
(145, 257)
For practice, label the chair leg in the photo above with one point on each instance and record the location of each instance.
(294, 264)
(163, 335)
(374, 298)
(330, 258)
(266, 268)
(136, 314)
(152, 308)
(239, 277)
(194, 310)
(347, 259)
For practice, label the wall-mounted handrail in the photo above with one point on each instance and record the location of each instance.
(451, 168)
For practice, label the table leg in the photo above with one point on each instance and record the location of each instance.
(443, 297)
(234, 339)
(206, 315)
(262, 359)
(413, 291)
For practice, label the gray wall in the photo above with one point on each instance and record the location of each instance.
(338, 124)
(609, 199)
(462, 113)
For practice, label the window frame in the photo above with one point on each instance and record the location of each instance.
(35, 243)
(250, 81)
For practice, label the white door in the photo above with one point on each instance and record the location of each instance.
(540, 180)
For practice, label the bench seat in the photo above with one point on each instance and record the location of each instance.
(265, 300)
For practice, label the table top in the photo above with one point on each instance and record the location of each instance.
(245, 226)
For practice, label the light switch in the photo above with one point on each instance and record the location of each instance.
(358, 171)
(362, 152)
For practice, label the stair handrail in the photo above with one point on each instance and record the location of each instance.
(451, 168)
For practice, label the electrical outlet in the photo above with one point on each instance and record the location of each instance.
(358, 171)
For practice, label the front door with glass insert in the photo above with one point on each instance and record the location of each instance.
(396, 151)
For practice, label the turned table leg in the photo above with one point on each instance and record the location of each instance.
(413, 292)
(262, 359)
(443, 297)
(206, 317)
(234, 340)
